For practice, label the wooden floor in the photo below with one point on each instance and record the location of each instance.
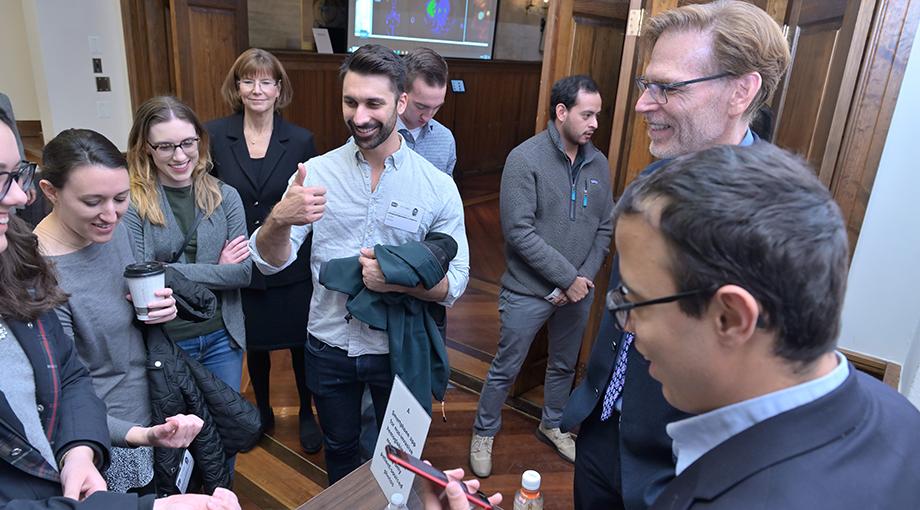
(278, 474)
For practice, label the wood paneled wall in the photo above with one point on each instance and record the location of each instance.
(495, 114)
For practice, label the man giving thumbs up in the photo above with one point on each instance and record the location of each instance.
(372, 190)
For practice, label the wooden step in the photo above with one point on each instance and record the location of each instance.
(270, 476)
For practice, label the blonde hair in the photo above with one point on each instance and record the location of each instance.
(251, 63)
(745, 39)
(143, 172)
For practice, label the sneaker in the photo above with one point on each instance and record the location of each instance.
(481, 455)
(561, 441)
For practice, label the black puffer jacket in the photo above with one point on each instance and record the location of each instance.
(181, 385)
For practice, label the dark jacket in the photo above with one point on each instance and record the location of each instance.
(181, 385)
(855, 448)
(556, 216)
(417, 352)
(644, 449)
(71, 415)
(289, 145)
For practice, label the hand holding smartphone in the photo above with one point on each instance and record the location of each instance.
(434, 475)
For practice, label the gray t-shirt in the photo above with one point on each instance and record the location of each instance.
(99, 319)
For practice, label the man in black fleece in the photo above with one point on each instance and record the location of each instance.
(556, 204)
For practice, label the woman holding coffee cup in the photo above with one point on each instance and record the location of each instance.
(85, 178)
(183, 216)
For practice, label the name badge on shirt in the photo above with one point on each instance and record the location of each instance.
(403, 217)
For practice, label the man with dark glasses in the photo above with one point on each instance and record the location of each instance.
(712, 67)
(733, 265)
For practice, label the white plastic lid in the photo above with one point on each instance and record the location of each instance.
(397, 499)
(530, 480)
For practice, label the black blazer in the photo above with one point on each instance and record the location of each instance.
(70, 413)
(644, 449)
(855, 448)
(289, 145)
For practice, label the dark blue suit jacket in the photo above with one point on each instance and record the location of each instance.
(644, 449)
(855, 448)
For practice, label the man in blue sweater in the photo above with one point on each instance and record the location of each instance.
(712, 66)
(556, 205)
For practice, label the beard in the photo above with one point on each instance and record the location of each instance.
(373, 141)
(576, 138)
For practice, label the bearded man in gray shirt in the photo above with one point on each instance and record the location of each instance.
(556, 206)
(372, 190)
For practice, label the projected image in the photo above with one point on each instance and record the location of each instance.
(431, 19)
(453, 27)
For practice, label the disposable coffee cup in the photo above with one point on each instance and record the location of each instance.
(143, 280)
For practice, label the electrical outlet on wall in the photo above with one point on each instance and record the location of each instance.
(103, 84)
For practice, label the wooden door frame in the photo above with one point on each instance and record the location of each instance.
(890, 38)
(883, 37)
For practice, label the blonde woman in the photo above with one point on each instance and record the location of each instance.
(183, 216)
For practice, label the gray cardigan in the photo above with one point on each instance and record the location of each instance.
(228, 221)
(549, 239)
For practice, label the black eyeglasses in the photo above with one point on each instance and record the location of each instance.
(24, 175)
(617, 304)
(166, 149)
(659, 91)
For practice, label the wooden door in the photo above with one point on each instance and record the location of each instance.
(589, 40)
(148, 48)
(207, 36)
(811, 106)
(183, 48)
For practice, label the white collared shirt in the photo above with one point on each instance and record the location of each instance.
(356, 217)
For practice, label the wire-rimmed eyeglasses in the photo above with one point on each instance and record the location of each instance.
(24, 175)
(659, 91)
(619, 307)
(265, 84)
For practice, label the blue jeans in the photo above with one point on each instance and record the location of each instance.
(337, 382)
(217, 352)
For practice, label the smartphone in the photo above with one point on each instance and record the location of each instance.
(418, 467)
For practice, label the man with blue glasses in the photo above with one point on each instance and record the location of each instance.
(712, 67)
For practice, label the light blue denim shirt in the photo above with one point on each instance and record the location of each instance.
(412, 199)
(435, 143)
(695, 436)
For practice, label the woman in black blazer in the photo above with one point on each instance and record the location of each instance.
(256, 151)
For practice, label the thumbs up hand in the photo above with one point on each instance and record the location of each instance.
(301, 204)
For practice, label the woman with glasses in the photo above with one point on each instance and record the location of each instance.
(183, 216)
(85, 178)
(256, 151)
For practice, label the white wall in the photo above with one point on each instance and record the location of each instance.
(881, 315)
(517, 34)
(16, 80)
(59, 33)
